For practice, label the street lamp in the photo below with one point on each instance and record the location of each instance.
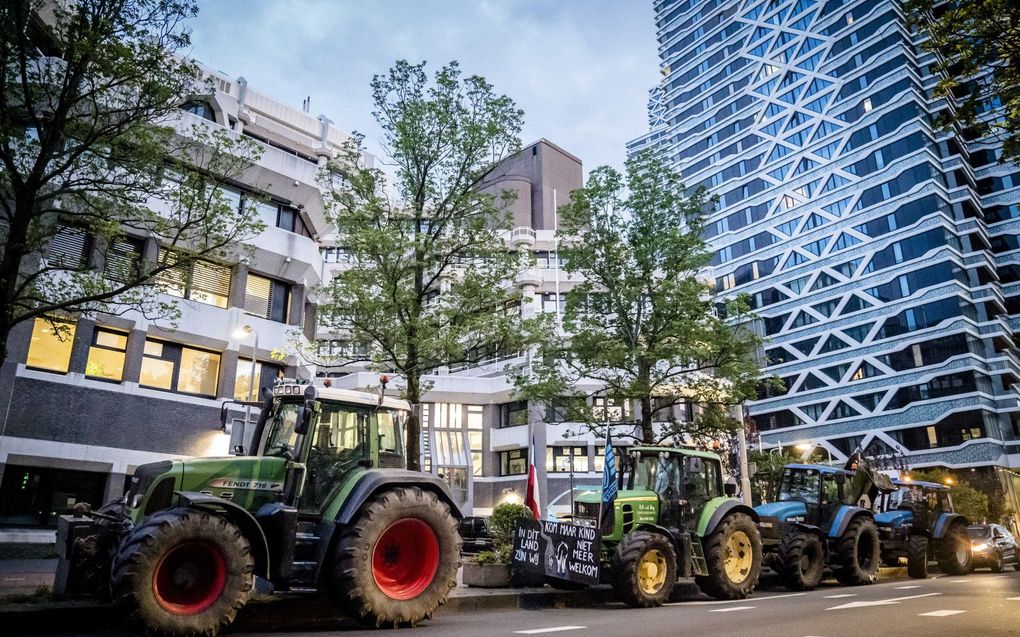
(240, 333)
(805, 446)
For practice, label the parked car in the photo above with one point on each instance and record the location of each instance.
(560, 507)
(994, 547)
(474, 531)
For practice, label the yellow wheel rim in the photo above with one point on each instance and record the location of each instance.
(739, 557)
(651, 572)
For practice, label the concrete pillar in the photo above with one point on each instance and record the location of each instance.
(238, 282)
(114, 487)
(228, 373)
(133, 355)
(81, 344)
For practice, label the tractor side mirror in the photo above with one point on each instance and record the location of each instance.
(730, 488)
(693, 464)
(840, 478)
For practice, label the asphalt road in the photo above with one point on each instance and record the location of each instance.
(981, 604)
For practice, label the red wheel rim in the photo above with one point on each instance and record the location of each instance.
(190, 578)
(405, 559)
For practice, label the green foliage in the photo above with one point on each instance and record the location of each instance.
(644, 326)
(89, 142)
(765, 481)
(968, 501)
(502, 523)
(493, 557)
(977, 47)
(427, 286)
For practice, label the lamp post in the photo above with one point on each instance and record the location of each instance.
(240, 333)
(805, 446)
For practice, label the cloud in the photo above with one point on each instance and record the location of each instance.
(579, 69)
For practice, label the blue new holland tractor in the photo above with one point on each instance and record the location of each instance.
(917, 522)
(818, 525)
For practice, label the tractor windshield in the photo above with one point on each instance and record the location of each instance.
(801, 485)
(282, 437)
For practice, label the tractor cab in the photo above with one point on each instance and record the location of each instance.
(682, 480)
(808, 494)
(915, 504)
(917, 522)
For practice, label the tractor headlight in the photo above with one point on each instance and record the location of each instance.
(981, 547)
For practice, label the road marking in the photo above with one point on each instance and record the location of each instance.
(941, 613)
(900, 588)
(554, 629)
(881, 602)
(731, 609)
(840, 596)
(733, 601)
(1013, 599)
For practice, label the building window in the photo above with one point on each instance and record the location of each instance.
(513, 462)
(566, 459)
(550, 304)
(267, 298)
(69, 249)
(50, 348)
(265, 375)
(106, 355)
(611, 409)
(514, 414)
(197, 280)
(173, 367)
(475, 425)
(200, 109)
(123, 260)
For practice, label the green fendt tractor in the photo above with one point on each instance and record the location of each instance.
(321, 504)
(673, 519)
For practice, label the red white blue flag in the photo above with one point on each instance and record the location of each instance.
(531, 496)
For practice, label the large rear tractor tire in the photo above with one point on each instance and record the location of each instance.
(858, 553)
(733, 557)
(917, 556)
(395, 564)
(183, 572)
(954, 551)
(644, 569)
(801, 560)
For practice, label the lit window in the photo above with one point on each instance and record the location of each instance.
(867, 105)
(267, 298)
(51, 345)
(513, 462)
(177, 368)
(566, 459)
(243, 378)
(106, 355)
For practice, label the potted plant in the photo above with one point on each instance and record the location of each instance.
(491, 569)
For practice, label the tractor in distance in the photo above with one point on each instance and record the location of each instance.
(321, 503)
(673, 518)
(918, 522)
(817, 524)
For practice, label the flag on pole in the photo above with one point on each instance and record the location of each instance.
(531, 496)
(609, 487)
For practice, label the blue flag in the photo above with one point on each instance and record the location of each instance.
(609, 487)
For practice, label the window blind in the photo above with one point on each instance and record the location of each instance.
(122, 260)
(69, 248)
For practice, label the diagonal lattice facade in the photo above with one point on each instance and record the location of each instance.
(880, 252)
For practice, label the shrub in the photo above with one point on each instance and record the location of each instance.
(502, 523)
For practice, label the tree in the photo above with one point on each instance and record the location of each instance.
(977, 51)
(643, 327)
(431, 276)
(91, 145)
(968, 501)
(765, 481)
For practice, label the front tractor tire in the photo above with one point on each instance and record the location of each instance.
(801, 560)
(733, 557)
(917, 556)
(954, 551)
(395, 564)
(183, 572)
(644, 569)
(858, 552)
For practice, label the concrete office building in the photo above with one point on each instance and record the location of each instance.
(79, 415)
(881, 254)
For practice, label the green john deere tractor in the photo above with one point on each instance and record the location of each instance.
(321, 504)
(673, 519)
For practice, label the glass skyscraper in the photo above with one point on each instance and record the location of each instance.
(881, 253)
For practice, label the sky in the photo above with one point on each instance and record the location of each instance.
(580, 69)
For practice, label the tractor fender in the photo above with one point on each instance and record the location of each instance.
(718, 508)
(661, 530)
(240, 517)
(944, 522)
(375, 480)
(845, 515)
(809, 528)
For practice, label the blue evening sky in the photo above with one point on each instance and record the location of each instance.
(580, 69)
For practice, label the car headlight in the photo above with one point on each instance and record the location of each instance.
(982, 546)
